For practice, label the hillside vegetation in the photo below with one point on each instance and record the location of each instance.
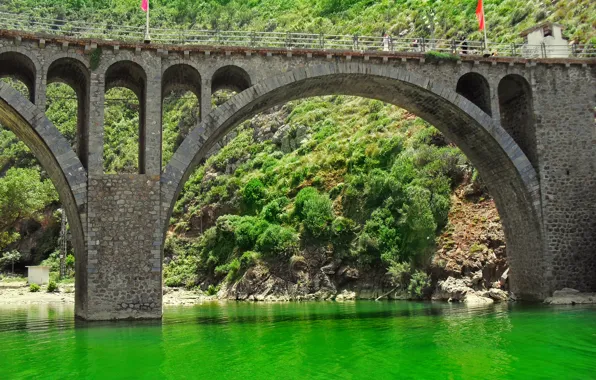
(420, 18)
(319, 193)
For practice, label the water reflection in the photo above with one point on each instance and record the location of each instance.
(309, 340)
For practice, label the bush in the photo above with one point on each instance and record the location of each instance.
(34, 288)
(52, 287)
(400, 273)
(419, 284)
(317, 214)
(314, 210)
(247, 231)
(278, 240)
(273, 211)
(253, 193)
(212, 290)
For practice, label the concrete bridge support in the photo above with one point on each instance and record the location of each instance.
(527, 126)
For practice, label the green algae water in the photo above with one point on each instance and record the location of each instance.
(372, 340)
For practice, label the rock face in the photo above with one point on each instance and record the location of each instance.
(569, 296)
(291, 137)
(468, 291)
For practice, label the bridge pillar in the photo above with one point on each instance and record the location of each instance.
(124, 248)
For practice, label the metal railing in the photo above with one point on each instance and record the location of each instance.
(289, 40)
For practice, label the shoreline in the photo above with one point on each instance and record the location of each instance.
(18, 294)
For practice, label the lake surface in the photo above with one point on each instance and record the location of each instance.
(370, 340)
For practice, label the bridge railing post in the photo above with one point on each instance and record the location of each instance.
(543, 49)
(453, 46)
(322, 40)
(423, 45)
(253, 39)
(355, 47)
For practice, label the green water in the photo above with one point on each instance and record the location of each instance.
(305, 340)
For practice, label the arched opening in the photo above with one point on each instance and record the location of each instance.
(476, 89)
(508, 175)
(20, 67)
(181, 91)
(58, 163)
(226, 82)
(13, 151)
(517, 114)
(63, 73)
(125, 118)
(351, 155)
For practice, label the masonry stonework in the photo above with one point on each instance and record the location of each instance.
(543, 180)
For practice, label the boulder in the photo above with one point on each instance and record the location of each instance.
(568, 296)
(498, 295)
(452, 289)
(472, 299)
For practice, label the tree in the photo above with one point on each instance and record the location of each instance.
(22, 194)
(10, 257)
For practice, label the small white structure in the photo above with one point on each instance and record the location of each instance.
(38, 275)
(546, 41)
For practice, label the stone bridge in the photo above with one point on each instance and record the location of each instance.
(526, 125)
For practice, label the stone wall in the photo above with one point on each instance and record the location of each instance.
(564, 101)
(124, 267)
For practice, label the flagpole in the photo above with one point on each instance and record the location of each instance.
(483, 19)
(147, 36)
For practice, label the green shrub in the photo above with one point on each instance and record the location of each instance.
(247, 231)
(301, 198)
(419, 284)
(52, 287)
(317, 214)
(278, 240)
(34, 288)
(273, 211)
(212, 290)
(253, 193)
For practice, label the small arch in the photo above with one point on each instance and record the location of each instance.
(19, 66)
(181, 93)
(230, 77)
(476, 89)
(517, 114)
(75, 74)
(181, 77)
(130, 75)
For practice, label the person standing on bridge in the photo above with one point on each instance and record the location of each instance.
(386, 42)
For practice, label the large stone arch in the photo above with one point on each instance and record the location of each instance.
(55, 155)
(509, 175)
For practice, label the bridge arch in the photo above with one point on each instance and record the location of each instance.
(230, 77)
(55, 155)
(181, 76)
(20, 66)
(474, 87)
(508, 173)
(132, 76)
(517, 113)
(75, 73)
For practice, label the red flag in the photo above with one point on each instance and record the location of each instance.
(145, 5)
(480, 15)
